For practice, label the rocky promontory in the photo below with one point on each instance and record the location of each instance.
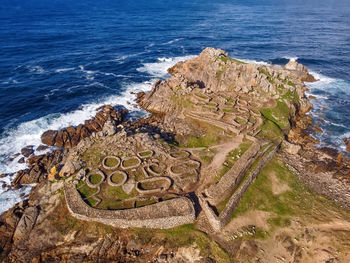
(225, 169)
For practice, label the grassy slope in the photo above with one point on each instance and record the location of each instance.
(296, 202)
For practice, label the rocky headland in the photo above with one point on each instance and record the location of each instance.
(225, 169)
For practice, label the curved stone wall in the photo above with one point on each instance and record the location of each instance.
(162, 215)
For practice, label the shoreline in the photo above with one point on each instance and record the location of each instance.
(193, 163)
(318, 77)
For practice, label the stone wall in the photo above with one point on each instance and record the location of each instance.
(162, 215)
(228, 183)
(219, 221)
(211, 216)
(226, 214)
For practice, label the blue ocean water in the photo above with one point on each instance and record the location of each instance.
(61, 59)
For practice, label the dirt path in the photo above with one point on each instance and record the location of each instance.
(219, 158)
(222, 151)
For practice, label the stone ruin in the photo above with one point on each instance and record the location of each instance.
(229, 111)
(141, 184)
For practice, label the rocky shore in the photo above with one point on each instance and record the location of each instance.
(224, 170)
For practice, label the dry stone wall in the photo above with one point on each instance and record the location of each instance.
(226, 186)
(232, 204)
(219, 221)
(162, 215)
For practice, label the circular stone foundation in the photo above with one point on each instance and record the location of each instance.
(156, 169)
(95, 178)
(145, 154)
(153, 185)
(122, 177)
(130, 162)
(111, 162)
(189, 166)
(180, 154)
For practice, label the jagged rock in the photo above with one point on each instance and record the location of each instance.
(347, 143)
(301, 70)
(109, 128)
(71, 166)
(26, 224)
(290, 147)
(41, 147)
(27, 151)
(70, 137)
(22, 160)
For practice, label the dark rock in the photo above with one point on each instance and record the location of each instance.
(59, 139)
(49, 137)
(330, 151)
(27, 151)
(42, 147)
(2, 175)
(35, 159)
(22, 160)
(13, 157)
(71, 136)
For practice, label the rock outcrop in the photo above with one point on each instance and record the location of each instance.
(213, 71)
(106, 119)
(215, 125)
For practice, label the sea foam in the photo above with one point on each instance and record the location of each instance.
(29, 133)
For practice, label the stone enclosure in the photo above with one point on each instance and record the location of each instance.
(144, 178)
(227, 110)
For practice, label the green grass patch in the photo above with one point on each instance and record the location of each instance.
(290, 83)
(183, 236)
(240, 120)
(149, 185)
(117, 193)
(95, 178)
(86, 191)
(80, 184)
(130, 162)
(91, 201)
(93, 157)
(140, 203)
(180, 100)
(117, 178)
(225, 59)
(111, 162)
(228, 110)
(270, 131)
(145, 153)
(208, 135)
(200, 95)
(291, 96)
(279, 115)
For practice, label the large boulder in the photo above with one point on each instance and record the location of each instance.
(26, 223)
(27, 151)
(49, 137)
(301, 70)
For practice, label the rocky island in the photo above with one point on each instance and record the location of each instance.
(224, 169)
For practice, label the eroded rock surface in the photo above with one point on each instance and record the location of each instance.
(106, 119)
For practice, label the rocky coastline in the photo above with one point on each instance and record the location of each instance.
(216, 121)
